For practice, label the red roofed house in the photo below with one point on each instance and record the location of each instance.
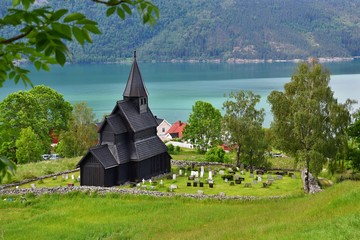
(176, 130)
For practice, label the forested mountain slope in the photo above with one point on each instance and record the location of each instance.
(224, 30)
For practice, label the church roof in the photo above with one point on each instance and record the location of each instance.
(103, 155)
(135, 86)
(116, 123)
(147, 148)
(137, 121)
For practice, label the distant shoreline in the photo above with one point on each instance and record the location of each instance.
(240, 60)
(229, 61)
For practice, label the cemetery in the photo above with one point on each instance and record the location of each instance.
(193, 178)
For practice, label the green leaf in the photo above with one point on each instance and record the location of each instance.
(15, 3)
(87, 36)
(58, 14)
(26, 4)
(73, 17)
(45, 67)
(78, 33)
(63, 29)
(37, 65)
(92, 28)
(121, 13)
(126, 8)
(110, 11)
(60, 57)
(12, 74)
(49, 50)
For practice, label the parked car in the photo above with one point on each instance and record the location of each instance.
(54, 156)
(46, 156)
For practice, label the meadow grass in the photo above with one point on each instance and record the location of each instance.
(37, 169)
(331, 214)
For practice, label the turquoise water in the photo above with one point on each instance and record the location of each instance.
(174, 87)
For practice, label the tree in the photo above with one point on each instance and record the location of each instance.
(7, 168)
(243, 122)
(354, 141)
(81, 134)
(44, 32)
(41, 108)
(309, 123)
(54, 108)
(204, 126)
(29, 147)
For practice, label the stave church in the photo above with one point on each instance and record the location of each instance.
(128, 149)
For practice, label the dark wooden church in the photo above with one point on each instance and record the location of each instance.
(129, 148)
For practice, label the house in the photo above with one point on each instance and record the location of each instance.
(163, 127)
(129, 148)
(176, 130)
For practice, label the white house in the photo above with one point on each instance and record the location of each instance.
(162, 128)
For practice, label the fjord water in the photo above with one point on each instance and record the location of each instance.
(174, 87)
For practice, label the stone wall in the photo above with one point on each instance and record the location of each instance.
(134, 191)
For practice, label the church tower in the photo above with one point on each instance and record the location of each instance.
(135, 90)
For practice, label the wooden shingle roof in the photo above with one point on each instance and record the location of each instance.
(137, 121)
(147, 148)
(103, 155)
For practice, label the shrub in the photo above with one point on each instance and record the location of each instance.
(215, 154)
(170, 148)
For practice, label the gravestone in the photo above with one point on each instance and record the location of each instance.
(226, 180)
(279, 177)
(72, 177)
(201, 174)
(200, 192)
(259, 178)
(242, 172)
(188, 184)
(251, 175)
(210, 175)
(221, 172)
(33, 185)
(202, 169)
(180, 172)
(173, 186)
(143, 181)
(174, 177)
(247, 185)
(232, 184)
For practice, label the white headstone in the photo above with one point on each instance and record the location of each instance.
(210, 175)
(226, 180)
(17, 187)
(66, 176)
(202, 169)
(180, 172)
(72, 177)
(161, 182)
(174, 176)
(259, 179)
(143, 181)
(221, 172)
(242, 172)
(196, 174)
(33, 185)
(150, 181)
(201, 174)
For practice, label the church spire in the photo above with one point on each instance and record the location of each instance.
(135, 87)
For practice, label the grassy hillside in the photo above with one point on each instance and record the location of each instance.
(332, 214)
(223, 30)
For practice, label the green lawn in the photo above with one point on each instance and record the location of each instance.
(332, 214)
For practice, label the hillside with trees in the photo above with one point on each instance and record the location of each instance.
(221, 30)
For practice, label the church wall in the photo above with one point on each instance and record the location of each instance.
(91, 172)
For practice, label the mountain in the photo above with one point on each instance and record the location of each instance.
(225, 30)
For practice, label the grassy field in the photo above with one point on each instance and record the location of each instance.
(332, 214)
